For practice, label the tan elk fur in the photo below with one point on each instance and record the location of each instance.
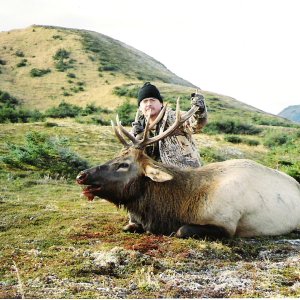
(241, 196)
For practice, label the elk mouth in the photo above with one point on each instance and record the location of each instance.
(90, 191)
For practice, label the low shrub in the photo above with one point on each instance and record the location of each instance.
(209, 155)
(107, 68)
(22, 63)
(62, 66)
(7, 100)
(64, 110)
(66, 94)
(77, 89)
(126, 91)
(277, 139)
(238, 140)
(271, 121)
(45, 154)
(126, 112)
(57, 37)
(61, 54)
(297, 134)
(99, 121)
(39, 72)
(185, 102)
(10, 114)
(233, 139)
(251, 142)
(71, 75)
(63, 61)
(50, 124)
(294, 172)
(19, 53)
(231, 127)
(90, 109)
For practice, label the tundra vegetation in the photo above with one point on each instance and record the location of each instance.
(55, 244)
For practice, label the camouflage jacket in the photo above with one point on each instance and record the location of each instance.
(178, 149)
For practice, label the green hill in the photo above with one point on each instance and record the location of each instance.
(68, 57)
(44, 65)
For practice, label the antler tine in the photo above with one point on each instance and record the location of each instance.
(148, 127)
(136, 116)
(177, 109)
(125, 132)
(141, 144)
(160, 115)
(118, 135)
(188, 114)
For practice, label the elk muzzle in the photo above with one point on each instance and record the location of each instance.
(89, 191)
(81, 177)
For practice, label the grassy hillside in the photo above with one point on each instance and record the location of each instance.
(41, 66)
(94, 62)
(55, 244)
(90, 60)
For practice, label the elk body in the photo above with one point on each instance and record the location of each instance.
(225, 199)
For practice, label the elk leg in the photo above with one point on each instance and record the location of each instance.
(133, 228)
(201, 231)
(133, 225)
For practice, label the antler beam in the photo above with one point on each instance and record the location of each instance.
(145, 141)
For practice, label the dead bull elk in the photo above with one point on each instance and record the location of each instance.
(232, 198)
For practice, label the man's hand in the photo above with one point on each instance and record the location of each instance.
(137, 128)
(198, 100)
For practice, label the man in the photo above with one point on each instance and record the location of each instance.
(178, 149)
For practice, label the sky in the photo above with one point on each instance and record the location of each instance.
(245, 49)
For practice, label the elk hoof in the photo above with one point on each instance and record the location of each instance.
(133, 228)
(183, 232)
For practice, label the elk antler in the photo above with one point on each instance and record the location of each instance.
(118, 135)
(141, 144)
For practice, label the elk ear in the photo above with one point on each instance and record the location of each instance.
(157, 174)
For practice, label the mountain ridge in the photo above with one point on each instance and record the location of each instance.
(291, 112)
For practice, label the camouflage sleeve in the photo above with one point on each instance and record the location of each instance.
(138, 125)
(199, 119)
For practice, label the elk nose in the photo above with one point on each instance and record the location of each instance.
(81, 178)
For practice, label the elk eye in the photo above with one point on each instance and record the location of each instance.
(123, 166)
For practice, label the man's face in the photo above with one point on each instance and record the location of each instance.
(152, 104)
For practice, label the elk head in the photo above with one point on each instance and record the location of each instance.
(122, 178)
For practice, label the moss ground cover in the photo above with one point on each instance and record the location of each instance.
(56, 244)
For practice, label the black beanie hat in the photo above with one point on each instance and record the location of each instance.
(149, 91)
